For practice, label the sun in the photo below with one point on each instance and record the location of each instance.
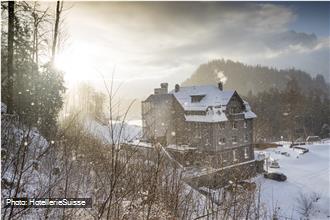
(76, 63)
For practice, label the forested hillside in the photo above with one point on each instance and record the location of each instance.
(290, 113)
(245, 78)
(288, 103)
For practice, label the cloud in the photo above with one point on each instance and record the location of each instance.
(170, 39)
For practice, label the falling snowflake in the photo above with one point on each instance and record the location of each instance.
(52, 142)
(173, 133)
(25, 143)
(32, 103)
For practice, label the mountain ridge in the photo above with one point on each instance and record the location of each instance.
(253, 78)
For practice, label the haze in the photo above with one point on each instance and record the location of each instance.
(145, 43)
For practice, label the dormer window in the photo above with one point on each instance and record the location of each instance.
(197, 98)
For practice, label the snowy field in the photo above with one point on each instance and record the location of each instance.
(307, 174)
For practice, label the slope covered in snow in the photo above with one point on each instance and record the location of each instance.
(119, 131)
(27, 148)
(307, 174)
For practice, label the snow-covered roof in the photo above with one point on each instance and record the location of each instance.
(248, 112)
(213, 96)
(212, 115)
(213, 102)
(180, 147)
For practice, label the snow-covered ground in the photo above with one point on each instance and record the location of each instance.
(307, 174)
(14, 135)
(126, 131)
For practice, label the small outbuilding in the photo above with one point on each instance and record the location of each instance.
(312, 139)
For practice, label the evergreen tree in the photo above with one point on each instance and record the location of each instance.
(37, 90)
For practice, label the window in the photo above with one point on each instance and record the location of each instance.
(222, 141)
(194, 112)
(198, 132)
(234, 139)
(146, 107)
(222, 125)
(245, 124)
(234, 110)
(234, 155)
(246, 156)
(196, 98)
(246, 138)
(234, 124)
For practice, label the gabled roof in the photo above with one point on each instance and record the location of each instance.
(213, 96)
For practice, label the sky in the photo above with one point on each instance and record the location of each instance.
(141, 44)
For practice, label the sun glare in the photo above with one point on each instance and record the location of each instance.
(76, 63)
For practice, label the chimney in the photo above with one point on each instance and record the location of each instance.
(177, 88)
(164, 86)
(220, 86)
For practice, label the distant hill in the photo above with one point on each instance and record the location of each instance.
(245, 78)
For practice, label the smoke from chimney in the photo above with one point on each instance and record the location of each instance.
(221, 77)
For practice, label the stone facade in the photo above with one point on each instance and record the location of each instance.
(229, 138)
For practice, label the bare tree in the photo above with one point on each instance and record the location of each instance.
(22, 171)
(10, 67)
(59, 8)
(38, 18)
(306, 204)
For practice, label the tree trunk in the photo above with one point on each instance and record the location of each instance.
(10, 85)
(57, 21)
